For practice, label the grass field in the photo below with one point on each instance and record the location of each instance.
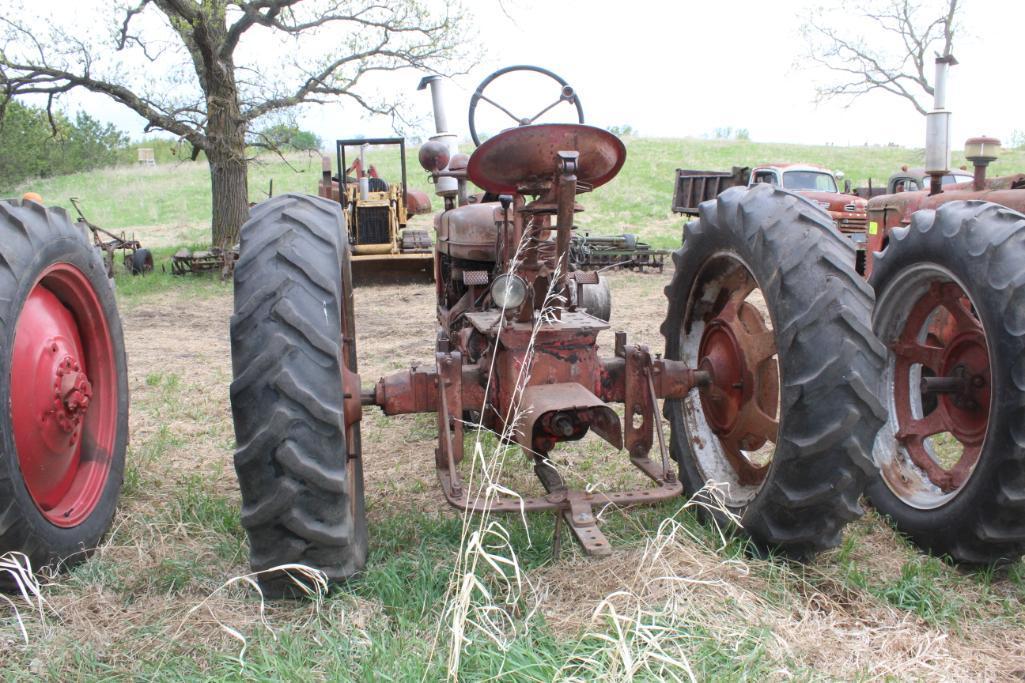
(161, 600)
(171, 203)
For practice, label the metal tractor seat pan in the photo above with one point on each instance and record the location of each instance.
(527, 157)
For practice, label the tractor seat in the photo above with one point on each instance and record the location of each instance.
(527, 157)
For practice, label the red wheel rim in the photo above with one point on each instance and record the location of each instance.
(741, 401)
(943, 335)
(64, 395)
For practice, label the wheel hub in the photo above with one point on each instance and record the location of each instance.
(723, 359)
(50, 395)
(954, 362)
(72, 393)
(741, 399)
(967, 361)
(64, 395)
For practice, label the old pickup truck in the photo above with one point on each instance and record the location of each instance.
(817, 184)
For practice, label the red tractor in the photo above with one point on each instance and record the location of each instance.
(769, 381)
(949, 276)
(63, 385)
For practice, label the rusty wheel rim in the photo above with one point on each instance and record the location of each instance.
(733, 423)
(937, 386)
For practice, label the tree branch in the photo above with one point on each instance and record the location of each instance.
(867, 64)
(36, 79)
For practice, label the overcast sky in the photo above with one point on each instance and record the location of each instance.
(685, 68)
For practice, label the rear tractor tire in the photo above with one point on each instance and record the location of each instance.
(782, 435)
(951, 308)
(63, 389)
(298, 462)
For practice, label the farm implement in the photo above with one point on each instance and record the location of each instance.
(604, 252)
(768, 382)
(136, 259)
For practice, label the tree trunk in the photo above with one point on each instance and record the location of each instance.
(229, 184)
(226, 154)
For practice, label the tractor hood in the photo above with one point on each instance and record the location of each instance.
(836, 202)
(1004, 190)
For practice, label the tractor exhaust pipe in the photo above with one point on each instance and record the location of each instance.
(446, 187)
(364, 177)
(937, 128)
(440, 119)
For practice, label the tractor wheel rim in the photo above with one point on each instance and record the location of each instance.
(937, 384)
(64, 395)
(735, 416)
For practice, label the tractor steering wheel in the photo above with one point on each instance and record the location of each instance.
(567, 94)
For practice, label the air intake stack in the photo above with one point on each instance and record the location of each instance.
(981, 151)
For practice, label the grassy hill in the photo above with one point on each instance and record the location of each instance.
(170, 203)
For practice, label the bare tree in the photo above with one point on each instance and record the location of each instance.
(214, 71)
(893, 54)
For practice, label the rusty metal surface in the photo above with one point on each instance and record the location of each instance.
(638, 409)
(450, 403)
(740, 400)
(955, 352)
(576, 507)
(352, 406)
(526, 157)
(895, 210)
(470, 232)
(564, 412)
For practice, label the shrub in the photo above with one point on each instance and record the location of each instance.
(31, 147)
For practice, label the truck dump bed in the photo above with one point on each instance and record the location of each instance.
(694, 187)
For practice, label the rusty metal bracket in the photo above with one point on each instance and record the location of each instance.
(450, 403)
(667, 472)
(576, 507)
(639, 407)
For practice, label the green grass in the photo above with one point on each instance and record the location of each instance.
(177, 193)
